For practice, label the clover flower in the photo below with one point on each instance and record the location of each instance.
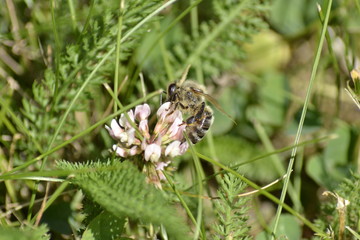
(157, 147)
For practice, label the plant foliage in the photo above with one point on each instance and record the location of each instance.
(26, 233)
(121, 190)
(104, 226)
(52, 95)
(231, 25)
(231, 210)
(330, 210)
(67, 65)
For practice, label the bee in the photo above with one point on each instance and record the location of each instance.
(189, 97)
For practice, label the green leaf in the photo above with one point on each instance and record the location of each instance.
(57, 217)
(233, 150)
(267, 52)
(270, 109)
(122, 190)
(105, 226)
(26, 233)
(330, 169)
(291, 17)
(288, 228)
(229, 101)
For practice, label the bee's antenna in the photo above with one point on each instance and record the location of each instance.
(184, 75)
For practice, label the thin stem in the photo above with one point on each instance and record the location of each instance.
(181, 199)
(72, 13)
(117, 58)
(57, 51)
(200, 176)
(302, 119)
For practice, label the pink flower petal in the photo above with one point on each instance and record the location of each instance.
(134, 150)
(119, 151)
(114, 129)
(175, 127)
(131, 136)
(124, 121)
(180, 133)
(124, 137)
(142, 112)
(163, 110)
(144, 144)
(173, 149)
(161, 165)
(152, 152)
(110, 131)
(184, 147)
(144, 128)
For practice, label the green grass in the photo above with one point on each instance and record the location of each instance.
(286, 71)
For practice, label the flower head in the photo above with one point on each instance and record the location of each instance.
(157, 147)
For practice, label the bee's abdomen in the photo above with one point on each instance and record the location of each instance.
(198, 130)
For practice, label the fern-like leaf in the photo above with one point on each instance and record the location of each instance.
(121, 190)
(220, 41)
(231, 210)
(40, 114)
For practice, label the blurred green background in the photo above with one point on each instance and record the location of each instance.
(254, 57)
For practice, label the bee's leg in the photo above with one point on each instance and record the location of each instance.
(174, 106)
(200, 114)
(190, 121)
(183, 106)
(198, 117)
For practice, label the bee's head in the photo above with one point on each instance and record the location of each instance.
(172, 91)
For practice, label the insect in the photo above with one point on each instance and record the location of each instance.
(189, 97)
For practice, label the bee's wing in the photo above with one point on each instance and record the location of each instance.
(213, 102)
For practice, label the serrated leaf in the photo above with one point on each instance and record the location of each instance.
(121, 190)
(27, 233)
